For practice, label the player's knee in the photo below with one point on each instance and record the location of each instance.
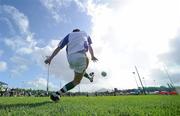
(77, 79)
(76, 82)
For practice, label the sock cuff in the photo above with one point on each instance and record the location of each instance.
(64, 89)
(58, 93)
(67, 87)
(86, 75)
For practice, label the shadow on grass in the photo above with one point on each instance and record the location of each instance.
(24, 105)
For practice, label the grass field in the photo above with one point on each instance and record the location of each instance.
(92, 106)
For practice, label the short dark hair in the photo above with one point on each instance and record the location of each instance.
(76, 30)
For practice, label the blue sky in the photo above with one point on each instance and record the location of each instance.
(43, 28)
(124, 33)
(41, 20)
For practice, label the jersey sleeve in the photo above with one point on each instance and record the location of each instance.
(89, 40)
(64, 41)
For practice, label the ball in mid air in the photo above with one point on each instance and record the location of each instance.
(103, 73)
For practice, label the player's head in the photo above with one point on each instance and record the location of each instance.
(76, 30)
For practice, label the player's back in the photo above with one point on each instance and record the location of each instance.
(77, 41)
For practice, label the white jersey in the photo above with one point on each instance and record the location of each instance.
(76, 42)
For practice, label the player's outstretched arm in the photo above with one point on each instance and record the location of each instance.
(93, 58)
(48, 60)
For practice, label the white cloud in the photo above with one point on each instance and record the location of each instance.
(41, 83)
(20, 65)
(22, 43)
(55, 8)
(19, 18)
(19, 60)
(134, 32)
(81, 5)
(9, 25)
(3, 66)
(18, 70)
(124, 33)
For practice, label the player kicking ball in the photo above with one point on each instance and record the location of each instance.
(77, 43)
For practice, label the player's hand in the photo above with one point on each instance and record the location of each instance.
(94, 59)
(48, 60)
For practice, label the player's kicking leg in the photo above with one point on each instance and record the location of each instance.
(89, 76)
(77, 79)
(78, 74)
